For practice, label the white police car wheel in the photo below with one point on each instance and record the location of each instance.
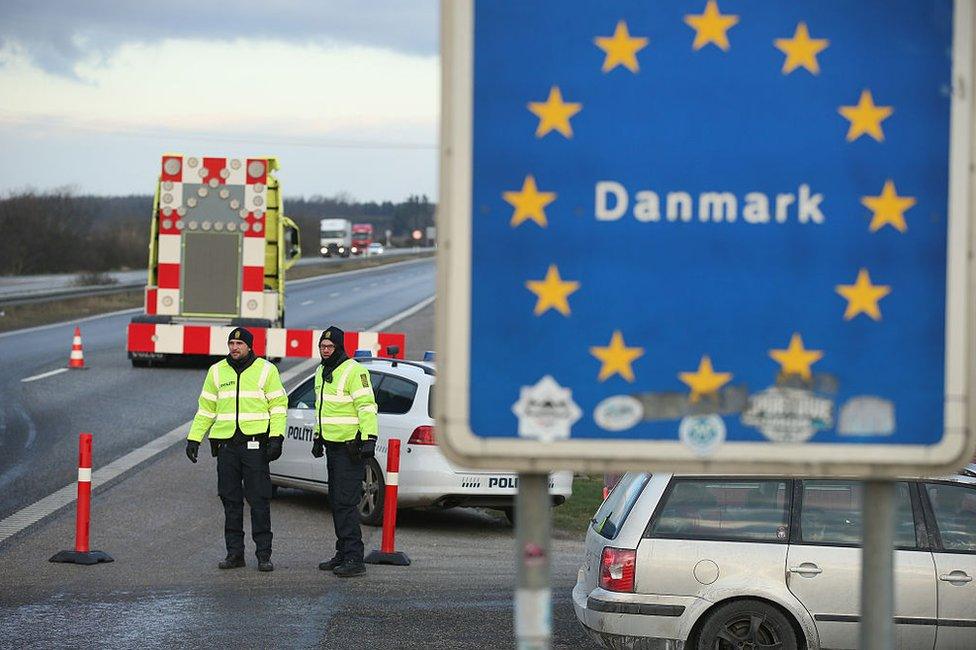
(371, 505)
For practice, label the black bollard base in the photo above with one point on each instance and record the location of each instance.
(82, 557)
(396, 558)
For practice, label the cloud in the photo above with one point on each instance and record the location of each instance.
(59, 34)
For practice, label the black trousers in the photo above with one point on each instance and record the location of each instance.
(243, 473)
(345, 492)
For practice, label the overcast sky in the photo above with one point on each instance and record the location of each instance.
(345, 93)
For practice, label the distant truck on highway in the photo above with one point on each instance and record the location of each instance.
(362, 237)
(335, 237)
(219, 245)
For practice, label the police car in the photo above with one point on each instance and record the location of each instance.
(404, 393)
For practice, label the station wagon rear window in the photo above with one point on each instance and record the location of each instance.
(613, 512)
(733, 510)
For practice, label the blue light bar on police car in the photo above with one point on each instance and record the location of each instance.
(362, 353)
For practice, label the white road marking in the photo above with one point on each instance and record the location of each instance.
(50, 504)
(43, 375)
(307, 302)
(334, 295)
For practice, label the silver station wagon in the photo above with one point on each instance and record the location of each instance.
(683, 561)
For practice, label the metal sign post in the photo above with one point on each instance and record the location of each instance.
(721, 239)
(533, 607)
(877, 566)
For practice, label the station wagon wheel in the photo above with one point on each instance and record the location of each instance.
(747, 625)
(371, 505)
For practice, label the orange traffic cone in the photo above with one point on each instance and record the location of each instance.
(77, 359)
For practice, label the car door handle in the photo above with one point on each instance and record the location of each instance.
(956, 576)
(807, 570)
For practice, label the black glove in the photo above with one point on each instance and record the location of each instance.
(192, 448)
(318, 447)
(274, 448)
(368, 448)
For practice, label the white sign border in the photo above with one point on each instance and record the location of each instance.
(453, 326)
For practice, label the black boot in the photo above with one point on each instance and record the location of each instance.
(330, 565)
(265, 565)
(349, 569)
(231, 562)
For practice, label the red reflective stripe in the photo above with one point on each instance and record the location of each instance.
(263, 178)
(253, 278)
(178, 176)
(150, 300)
(260, 340)
(398, 339)
(213, 167)
(168, 276)
(196, 339)
(140, 338)
(298, 343)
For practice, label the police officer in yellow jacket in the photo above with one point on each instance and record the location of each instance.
(346, 432)
(244, 407)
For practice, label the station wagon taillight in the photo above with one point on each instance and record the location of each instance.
(422, 436)
(617, 567)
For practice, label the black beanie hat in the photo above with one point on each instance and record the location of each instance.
(336, 335)
(241, 334)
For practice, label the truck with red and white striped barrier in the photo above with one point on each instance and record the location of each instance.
(219, 246)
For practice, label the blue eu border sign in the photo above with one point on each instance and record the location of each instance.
(706, 236)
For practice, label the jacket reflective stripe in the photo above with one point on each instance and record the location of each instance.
(343, 378)
(339, 399)
(206, 414)
(274, 394)
(338, 420)
(209, 396)
(362, 392)
(242, 417)
(264, 376)
(278, 410)
(255, 394)
(367, 408)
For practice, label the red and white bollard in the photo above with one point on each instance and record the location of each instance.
(82, 554)
(387, 554)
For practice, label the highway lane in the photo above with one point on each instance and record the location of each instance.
(126, 407)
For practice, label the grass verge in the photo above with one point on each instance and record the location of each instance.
(574, 516)
(55, 311)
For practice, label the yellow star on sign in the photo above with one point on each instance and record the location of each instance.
(888, 208)
(554, 113)
(862, 296)
(801, 50)
(616, 358)
(705, 380)
(621, 48)
(866, 117)
(529, 203)
(553, 292)
(796, 360)
(711, 27)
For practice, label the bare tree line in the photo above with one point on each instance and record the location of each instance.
(61, 232)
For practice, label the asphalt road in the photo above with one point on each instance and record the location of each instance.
(19, 285)
(126, 407)
(162, 524)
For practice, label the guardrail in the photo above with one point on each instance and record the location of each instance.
(48, 295)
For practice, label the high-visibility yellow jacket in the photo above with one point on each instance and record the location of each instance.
(346, 404)
(257, 403)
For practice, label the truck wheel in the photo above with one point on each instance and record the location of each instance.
(747, 624)
(374, 487)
